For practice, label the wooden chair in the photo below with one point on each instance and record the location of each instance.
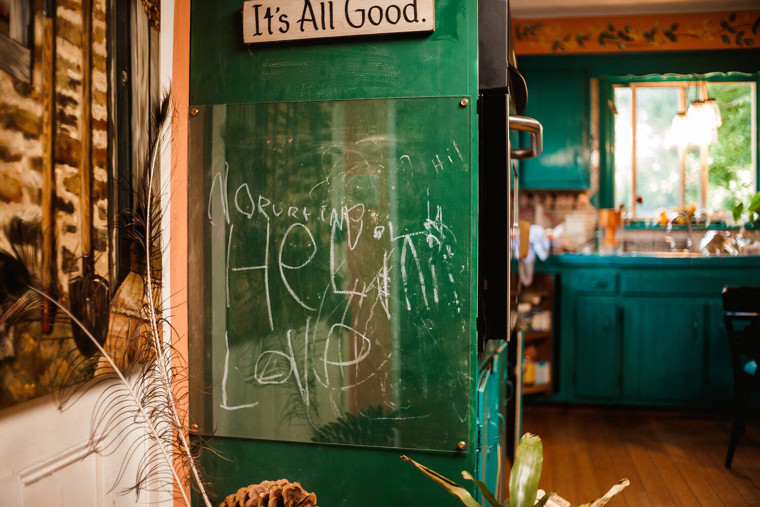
(741, 313)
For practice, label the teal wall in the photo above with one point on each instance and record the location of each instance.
(580, 68)
(675, 62)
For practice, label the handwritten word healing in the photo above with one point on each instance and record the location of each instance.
(280, 20)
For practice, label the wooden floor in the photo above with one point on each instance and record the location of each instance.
(670, 458)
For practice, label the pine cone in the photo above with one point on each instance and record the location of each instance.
(282, 493)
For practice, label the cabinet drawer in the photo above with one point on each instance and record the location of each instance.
(692, 283)
(593, 281)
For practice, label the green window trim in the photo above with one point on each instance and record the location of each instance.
(606, 120)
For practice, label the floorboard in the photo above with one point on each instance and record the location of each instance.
(672, 458)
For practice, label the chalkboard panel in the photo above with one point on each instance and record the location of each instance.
(331, 271)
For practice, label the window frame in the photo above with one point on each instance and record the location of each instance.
(16, 49)
(606, 85)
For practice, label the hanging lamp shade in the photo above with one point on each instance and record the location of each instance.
(712, 105)
(678, 134)
(704, 119)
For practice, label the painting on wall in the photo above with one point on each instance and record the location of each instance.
(57, 209)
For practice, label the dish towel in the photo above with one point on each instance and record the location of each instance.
(539, 247)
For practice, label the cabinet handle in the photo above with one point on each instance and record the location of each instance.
(532, 127)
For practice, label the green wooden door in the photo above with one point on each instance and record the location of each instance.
(597, 351)
(663, 349)
(247, 102)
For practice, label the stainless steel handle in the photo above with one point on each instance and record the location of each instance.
(534, 128)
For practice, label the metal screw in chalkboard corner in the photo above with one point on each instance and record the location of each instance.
(194, 111)
(464, 102)
(461, 445)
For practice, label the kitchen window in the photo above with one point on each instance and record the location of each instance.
(671, 150)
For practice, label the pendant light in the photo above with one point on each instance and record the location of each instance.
(704, 118)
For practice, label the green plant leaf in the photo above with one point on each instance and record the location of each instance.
(614, 490)
(737, 212)
(452, 487)
(483, 489)
(754, 203)
(526, 471)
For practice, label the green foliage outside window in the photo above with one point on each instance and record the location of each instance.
(731, 171)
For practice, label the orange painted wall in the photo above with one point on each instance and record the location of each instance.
(178, 214)
(652, 32)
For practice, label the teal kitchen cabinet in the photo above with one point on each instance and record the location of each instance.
(719, 376)
(597, 350)
(645, 331)
(589, 337)
(674, 345)
(663, 349)
(559, 99)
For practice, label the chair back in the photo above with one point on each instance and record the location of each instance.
(741, 313)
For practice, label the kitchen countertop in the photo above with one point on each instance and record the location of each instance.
(664, 260)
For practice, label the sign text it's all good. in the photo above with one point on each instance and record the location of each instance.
(272, 20)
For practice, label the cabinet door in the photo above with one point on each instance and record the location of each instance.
(559, 100)
(597, 356)
(663, 349)
(720, 375)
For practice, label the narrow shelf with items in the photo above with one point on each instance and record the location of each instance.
(535, 317)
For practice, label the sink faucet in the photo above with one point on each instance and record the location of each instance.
(689, 240)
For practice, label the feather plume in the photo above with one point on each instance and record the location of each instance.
(140, 407)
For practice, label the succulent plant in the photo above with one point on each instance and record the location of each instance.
(523, 481)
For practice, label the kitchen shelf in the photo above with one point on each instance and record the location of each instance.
(534, 336)
(537, 303)
(533, 389)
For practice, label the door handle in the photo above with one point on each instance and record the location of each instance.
(532, 127)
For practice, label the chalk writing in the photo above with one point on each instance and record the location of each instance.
(335, 294)
(344, 264)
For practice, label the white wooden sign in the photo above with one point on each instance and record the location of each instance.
(281, 20)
